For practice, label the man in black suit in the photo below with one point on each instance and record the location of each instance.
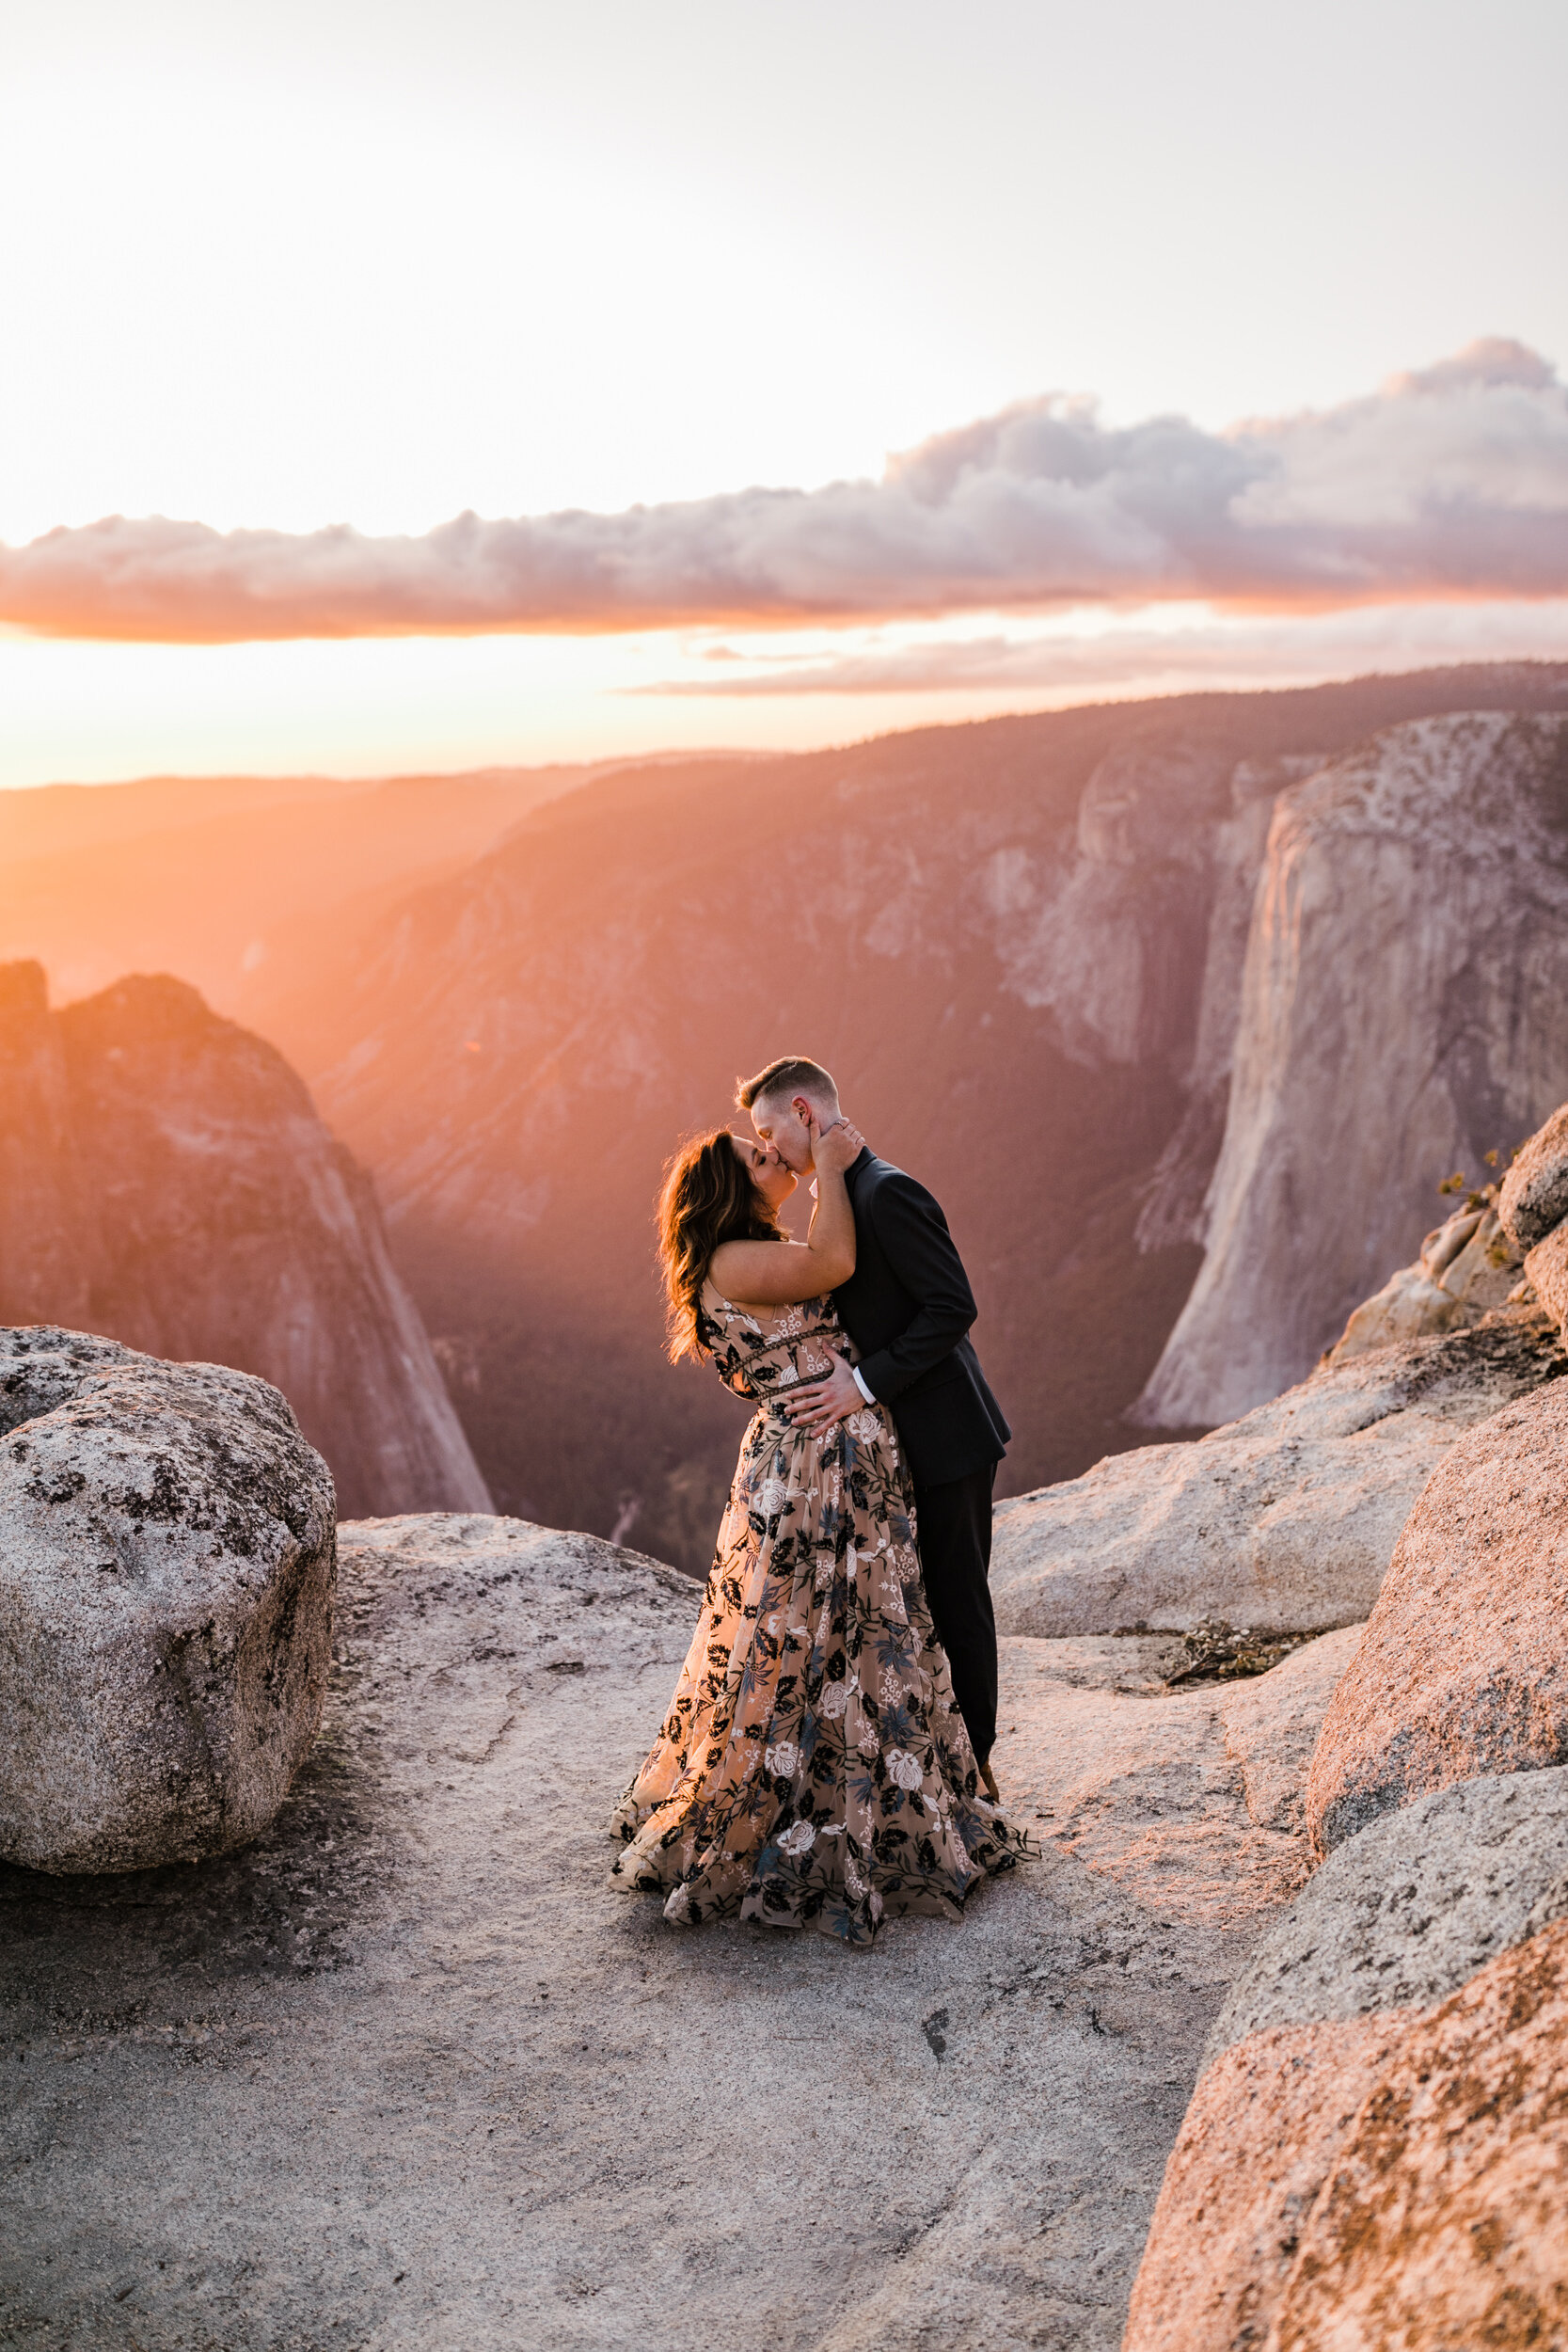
(908, 1307)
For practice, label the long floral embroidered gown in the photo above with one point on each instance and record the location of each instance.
(813, 1766)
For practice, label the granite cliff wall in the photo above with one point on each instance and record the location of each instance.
(1403, 1012)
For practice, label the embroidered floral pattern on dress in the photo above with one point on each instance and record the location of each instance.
(813, 1768)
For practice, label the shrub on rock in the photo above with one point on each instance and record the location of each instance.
(1463, 1669)
(167, 1556)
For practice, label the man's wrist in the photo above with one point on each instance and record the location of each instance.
(858, 1381)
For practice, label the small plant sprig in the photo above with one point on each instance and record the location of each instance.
(1460, 1182)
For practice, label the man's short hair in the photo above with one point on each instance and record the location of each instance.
(793, 1074)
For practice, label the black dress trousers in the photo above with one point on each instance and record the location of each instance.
(953, 1521)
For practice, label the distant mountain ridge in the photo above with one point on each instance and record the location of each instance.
(212, 877)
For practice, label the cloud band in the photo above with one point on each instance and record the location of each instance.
(1449, 481)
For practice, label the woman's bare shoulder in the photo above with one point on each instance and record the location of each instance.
(765, 1274)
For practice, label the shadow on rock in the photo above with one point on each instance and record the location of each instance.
(88, 1949)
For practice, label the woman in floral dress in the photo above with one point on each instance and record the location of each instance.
(813, 1766)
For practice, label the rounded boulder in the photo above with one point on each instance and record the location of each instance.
(1397, 1922)
(1440, 2223)
(1534, 1194)
(167, 1564)
(1463, 1670)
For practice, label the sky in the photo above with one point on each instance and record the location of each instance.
(397, 386)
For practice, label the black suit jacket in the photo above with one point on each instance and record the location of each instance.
(908, 1307)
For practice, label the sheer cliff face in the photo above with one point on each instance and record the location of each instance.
(1403, 1011)
(1022, 949)
(166, 1180)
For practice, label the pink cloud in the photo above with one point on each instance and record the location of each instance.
(1208, 649)
(1449, 481)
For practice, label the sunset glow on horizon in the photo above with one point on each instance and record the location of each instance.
(287, 293)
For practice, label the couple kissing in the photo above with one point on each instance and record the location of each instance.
(825, 1757)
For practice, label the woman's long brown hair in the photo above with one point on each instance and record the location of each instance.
(708, 1199)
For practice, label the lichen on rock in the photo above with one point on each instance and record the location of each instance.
(1264, 2128)
(1402, 1916)
(1441, 2222)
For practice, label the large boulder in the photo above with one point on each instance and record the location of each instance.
(166, 1567)
(1534, 1194)
(1464, 1666)
(1283, 1520)
(1403, 1915)
(1441, 2223)
(1264, 2127)
(1534, 1208)
(1546, 1267)
(1322, 2023)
